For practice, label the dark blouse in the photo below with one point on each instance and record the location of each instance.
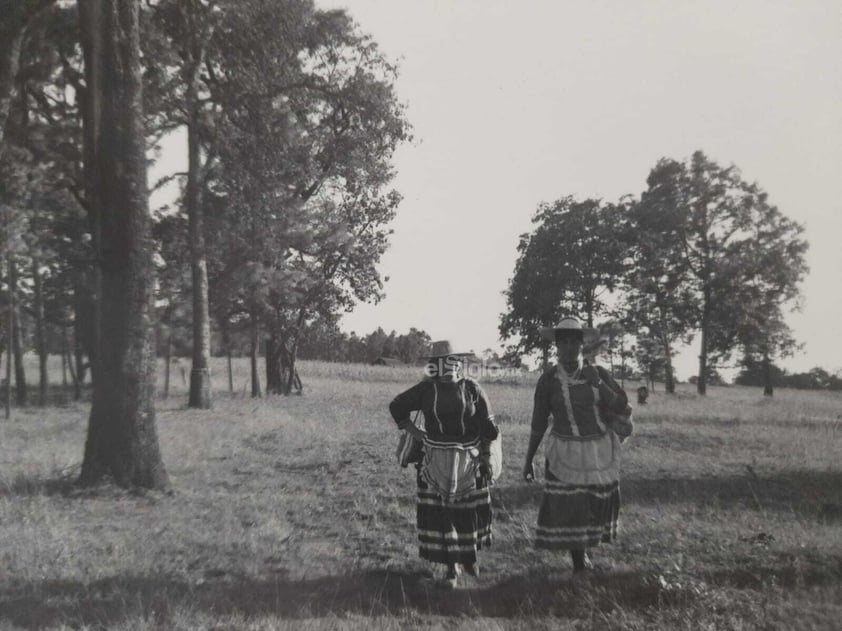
(453, 412)
(583, 416)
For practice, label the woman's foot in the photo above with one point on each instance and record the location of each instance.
(472, 569)
(450, 577)
(581, 561)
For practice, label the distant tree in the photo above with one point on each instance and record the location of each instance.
(410, 346)
(122, 437)
(731, 238)
(758, 373)
(658, 296)
(187, 27)
(650, 357)
(568, 264)
(308, 126)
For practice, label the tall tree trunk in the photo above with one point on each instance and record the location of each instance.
(226, 341)
(701, 383)
(768, 386)
(64, 349)
(89, 289)
(274, 365)
(669, 374)
(167, 363)
(122, 435)
(40, 333)
(292, 380)
(84, 328)
(200, 389)
(255, 375)
(10, 329)
(15, 17)
(11, 41)
(17, 337)
(74, 375)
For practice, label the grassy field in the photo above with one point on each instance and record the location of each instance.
(290, 513)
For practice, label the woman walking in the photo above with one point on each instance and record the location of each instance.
(454, 505)
(581, 501)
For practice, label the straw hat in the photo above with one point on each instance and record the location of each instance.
(566, 325)
(443, 348)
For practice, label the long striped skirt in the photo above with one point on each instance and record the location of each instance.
(580, 507)
(453, 512)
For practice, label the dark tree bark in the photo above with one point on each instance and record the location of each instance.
(768, 386)
(255, 375)
(701, 384)
(167, 364)
(226, 340)
(84, 329)
(17, 337)
(200, 387)
(669, 373)
(122, 437)
(15, 16)
(274, 365)
(40, 333)
(10, 329)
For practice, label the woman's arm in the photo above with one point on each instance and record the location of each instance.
(402, 407)
(610, 392)
(540, 421)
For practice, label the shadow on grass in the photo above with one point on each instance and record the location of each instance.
(25, 485)
(814, 494)
(374, 593)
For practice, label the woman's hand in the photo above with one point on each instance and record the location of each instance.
(416, 432)
(591, 375)
(485, 468)
(528, 471)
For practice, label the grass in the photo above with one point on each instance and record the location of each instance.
(290, 513)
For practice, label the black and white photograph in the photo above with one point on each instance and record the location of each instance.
(420, 314)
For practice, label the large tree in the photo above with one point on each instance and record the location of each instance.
(122, 437)
(187, 26)
(659, 300)
(568, 265)
(308, 126)
(732, 240)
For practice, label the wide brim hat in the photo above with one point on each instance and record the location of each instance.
(566, 325)
(443, 348)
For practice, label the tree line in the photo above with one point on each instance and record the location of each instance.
(701, 252)
(290, 121)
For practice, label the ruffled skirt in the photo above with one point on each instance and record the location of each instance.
(580, 507)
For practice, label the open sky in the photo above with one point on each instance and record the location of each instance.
(517, 103)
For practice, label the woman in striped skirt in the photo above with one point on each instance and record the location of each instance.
(581, 501)
(454, 505)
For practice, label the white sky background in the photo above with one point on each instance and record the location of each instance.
(515, 103)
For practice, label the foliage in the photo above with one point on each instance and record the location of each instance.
(569, 263)
(743, 255)
(297, 204)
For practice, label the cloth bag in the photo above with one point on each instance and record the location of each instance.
(410, 450)
(496, 457)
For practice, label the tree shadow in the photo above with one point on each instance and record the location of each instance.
(31, 485)
(106, 602)
(813, 494)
